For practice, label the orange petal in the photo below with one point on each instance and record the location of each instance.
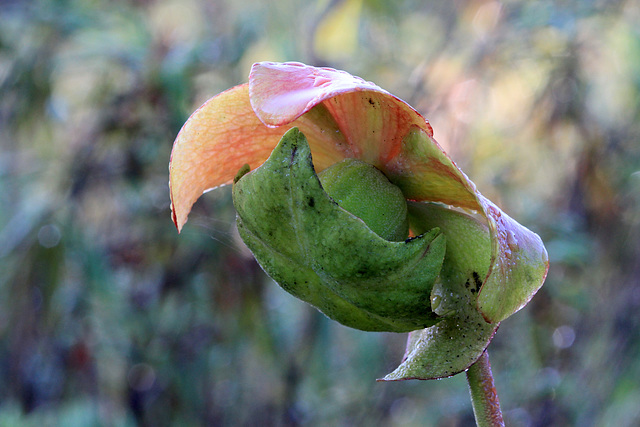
(371, 121)
(224, 134)
(377, 127)
(424, 172)
(217, 140)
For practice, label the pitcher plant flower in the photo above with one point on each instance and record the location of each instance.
(348, 202)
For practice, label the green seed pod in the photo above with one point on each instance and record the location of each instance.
(327, 256)
(363, 190)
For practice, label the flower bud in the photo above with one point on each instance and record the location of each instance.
(327, 256)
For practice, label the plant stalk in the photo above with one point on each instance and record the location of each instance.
(484, 398)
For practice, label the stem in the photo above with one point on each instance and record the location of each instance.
(484, 398)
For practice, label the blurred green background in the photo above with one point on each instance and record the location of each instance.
(108, 317)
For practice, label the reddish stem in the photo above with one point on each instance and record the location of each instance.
(484, 398)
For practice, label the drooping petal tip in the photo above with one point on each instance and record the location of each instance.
(214, 143)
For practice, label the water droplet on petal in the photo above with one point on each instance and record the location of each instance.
(436, 300)
(512, 241)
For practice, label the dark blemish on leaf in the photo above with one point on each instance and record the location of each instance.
(476, 278)
(467, 284)
(311, 202)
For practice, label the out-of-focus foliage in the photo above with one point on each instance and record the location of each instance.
(109, 317)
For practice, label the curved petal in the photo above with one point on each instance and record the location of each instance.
(378, 127)
(371, 120)
(215, 142)
(518, 269)
(224, 134)
(282, 92)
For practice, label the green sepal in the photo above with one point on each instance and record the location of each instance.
(328, 257)
(455, 343)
